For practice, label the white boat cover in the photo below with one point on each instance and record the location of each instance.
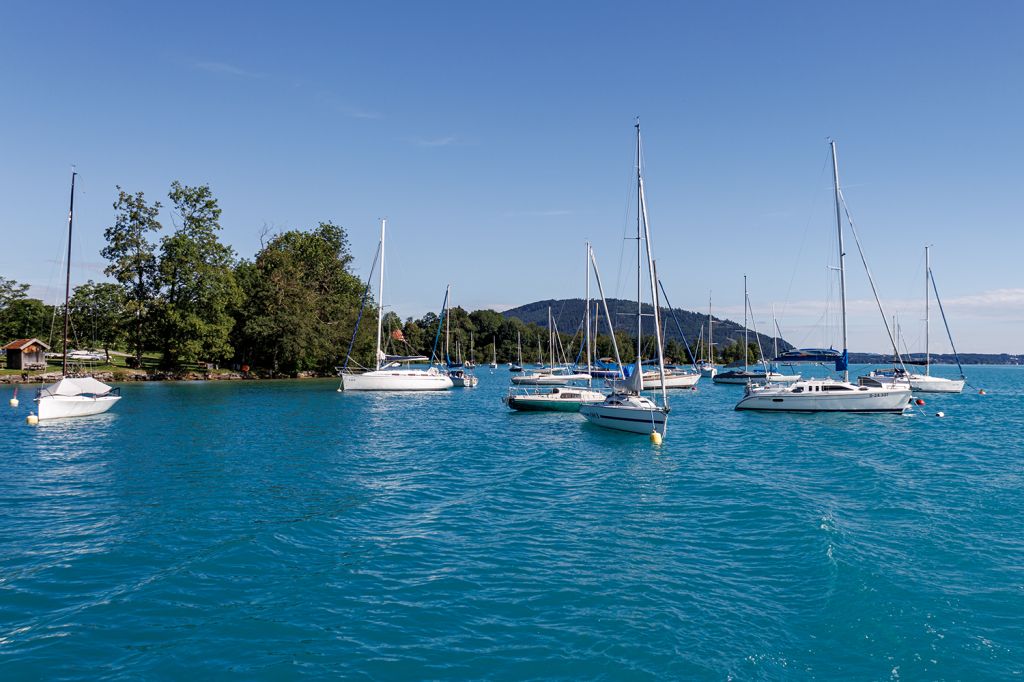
(81, 386)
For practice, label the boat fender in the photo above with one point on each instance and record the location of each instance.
(655, 437)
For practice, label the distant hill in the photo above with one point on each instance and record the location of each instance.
(569, 311)
(941, 358)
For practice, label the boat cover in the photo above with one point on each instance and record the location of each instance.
(80, 386)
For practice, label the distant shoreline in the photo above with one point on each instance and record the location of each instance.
(131, 376)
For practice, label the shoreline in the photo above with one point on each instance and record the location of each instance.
(129, 376)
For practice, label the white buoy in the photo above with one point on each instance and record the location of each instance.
(14, 402)
(655, 437)
(940, 414)
(31, 420)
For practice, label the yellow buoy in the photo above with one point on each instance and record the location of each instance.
(31, 420)
(655, 437)
(14, 402)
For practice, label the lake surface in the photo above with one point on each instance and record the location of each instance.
(266, 530)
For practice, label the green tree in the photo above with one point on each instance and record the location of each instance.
(301, 303)
(133, 262)
(25, 318)
(100, 313)
(198, 287)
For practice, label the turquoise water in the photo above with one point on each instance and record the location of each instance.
(282, 529)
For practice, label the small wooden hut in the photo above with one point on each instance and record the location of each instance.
(26, 354)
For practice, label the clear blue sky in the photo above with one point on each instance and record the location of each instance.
(496, 139)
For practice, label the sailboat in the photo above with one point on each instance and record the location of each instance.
(390, 373)
(73, 396)
(561, 399)
(457, 370)
(518, 365)
(707, 366)
(830, 395)
(494, 352)
(626, 409)
(748, 375)
(926, 383)
(555, 375)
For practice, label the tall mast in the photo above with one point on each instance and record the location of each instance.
(67, 279)
(642, 217)
(380, 293)
(711, 344)
(927, 321)
(447, 336)
(639, 211)
(746, 300)
(551, 339)
(775, 334)
(586, 317)
(842, 257)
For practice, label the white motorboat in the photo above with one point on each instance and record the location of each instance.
(826, 395)
(463, 379)
(626, 409)
(73, 397)
(830, 395)
(707, 370)
(392, 374)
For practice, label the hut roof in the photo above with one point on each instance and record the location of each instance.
(22, 344)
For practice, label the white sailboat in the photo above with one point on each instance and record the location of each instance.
(391, 373)
(926, 383)
(555, 375)
(459, 372)
(494, 352)
(73, 397)
(626, 409)
(561, 399)
(707, 366)
(830, 395)
(747, 375)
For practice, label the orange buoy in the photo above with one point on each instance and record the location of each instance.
(919, 401)
(981, 392)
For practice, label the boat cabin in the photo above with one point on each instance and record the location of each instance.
(26, 354)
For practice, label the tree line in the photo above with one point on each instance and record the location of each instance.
(186, 297)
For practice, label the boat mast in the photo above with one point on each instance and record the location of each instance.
(654, 279)
(927, 322)
(711, 344)
(842, 258)
(447, 336)
(586, 318)
(67, 279)
(746, 301)
(639, 298)
(380, 293)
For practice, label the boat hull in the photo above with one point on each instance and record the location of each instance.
(622, 418)
(923, 383)
(672, 381)
(396, 380)
(63, 406)
(747, 377)
(783, 399)
(556, 400)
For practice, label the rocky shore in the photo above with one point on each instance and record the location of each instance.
(141, 375)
